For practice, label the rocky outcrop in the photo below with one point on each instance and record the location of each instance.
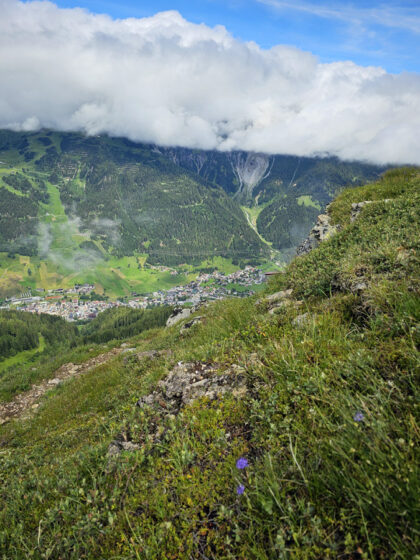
(192, 380)
(188, 328)
(116, 446)
(181, 313)
(323, 228)
(302, 320)
(178, 315)
(273, 299)
(184, 384)
(322, 231)
(355, 283)
(190, 159)
(358, 287)
(279, 300)
(250, 169)
(356, 207)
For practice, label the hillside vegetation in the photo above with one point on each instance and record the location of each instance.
(22, 331)
(33, 346)
(288, 191)
(317, 457)
(120, 323)
(111, 196)
(76, 209)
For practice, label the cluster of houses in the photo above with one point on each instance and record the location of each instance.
(79, 289)
(71, 310)
(205, 287)
(27, 297)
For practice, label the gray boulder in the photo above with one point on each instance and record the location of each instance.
(302, 320)
(116, 447)
(280, 300)
(356, 208)
(178, 314)
(278, 296)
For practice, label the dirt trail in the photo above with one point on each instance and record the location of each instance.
(26, 403)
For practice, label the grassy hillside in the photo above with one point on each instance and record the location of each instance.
(112, 277)
(327, 430)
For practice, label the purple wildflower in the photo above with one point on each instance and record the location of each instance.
(359, 416)
(240, 489)
(241, 463)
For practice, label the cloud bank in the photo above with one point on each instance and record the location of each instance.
(164, 80)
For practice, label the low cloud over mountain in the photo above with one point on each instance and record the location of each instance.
(167, 81)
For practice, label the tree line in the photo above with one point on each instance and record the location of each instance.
(21, 331)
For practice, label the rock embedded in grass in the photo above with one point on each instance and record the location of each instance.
(322, 231)
(357, 207)
(186, 383)
(280, 300)
(302, 320)
(179, 314)
(278, 296)
(192, 380)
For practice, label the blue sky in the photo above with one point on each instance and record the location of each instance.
(385, 34)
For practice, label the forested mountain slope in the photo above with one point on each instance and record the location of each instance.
(280, 427)
(287, 191)
(24, 331)
(111, 196)
(124, 197)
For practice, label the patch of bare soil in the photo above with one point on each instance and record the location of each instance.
(23, 405)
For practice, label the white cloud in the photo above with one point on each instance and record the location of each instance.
(167, 81)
